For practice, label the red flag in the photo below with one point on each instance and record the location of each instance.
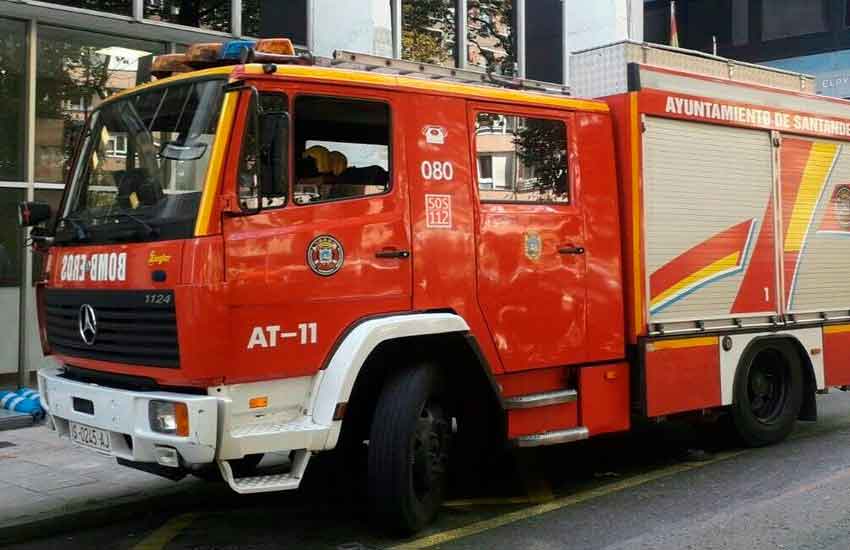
(674, 28)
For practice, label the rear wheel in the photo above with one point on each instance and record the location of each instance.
(409, 449)
(768, 393)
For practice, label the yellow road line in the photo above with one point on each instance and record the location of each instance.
(165, 534)
(540, 509)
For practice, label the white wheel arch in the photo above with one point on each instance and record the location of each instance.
(337, 380)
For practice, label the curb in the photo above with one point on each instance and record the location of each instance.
(98, 513)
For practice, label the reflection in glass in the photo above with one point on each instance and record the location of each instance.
(10, 241)
(521, 159)
(76, 71)
(251, 17)
(12, 90)
(120, 7)
(490, 35)
(213, 15)
(428, 31)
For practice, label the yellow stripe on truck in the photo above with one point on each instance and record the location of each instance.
(216, 166)
(683, 343)
(836, 329)
(817, 169)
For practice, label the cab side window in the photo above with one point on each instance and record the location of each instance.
(342, 149)
(275, 188)
(521, 159)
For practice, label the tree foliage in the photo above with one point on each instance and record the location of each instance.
(542, 144)
(490, 25)
(428, 31)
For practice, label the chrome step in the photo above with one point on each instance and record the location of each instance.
(552, 438)
(534, 400)
(267, 483)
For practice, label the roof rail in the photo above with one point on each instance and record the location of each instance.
(359, 61)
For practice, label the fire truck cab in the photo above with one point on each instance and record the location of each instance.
(298, 257)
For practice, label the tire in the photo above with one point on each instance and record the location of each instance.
(768, 393)
(409, 447)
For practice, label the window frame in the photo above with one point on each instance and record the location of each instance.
(564, 117)
(354, 97)
(246, 113)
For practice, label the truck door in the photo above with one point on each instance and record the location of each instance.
(531, 236)
(331, 245)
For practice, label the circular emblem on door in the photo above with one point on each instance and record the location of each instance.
(87, 321)
(325, 255)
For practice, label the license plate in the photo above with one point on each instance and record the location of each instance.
(87, 436)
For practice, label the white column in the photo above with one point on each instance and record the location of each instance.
(139, 10)
(24, 322)
(520, 37)
(236, 17)
(398, 26)
(461, 33)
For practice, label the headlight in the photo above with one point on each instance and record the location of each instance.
(169, 417)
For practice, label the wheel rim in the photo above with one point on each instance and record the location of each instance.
(767, 387)
(430, 451)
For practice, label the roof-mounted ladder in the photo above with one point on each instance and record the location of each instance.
(374, 63)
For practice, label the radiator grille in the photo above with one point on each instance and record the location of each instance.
(133, 327)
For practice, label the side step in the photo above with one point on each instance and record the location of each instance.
(267, 483)
(544, 399)
(552, 438)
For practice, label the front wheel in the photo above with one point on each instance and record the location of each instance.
(409, 449)
(768, 393)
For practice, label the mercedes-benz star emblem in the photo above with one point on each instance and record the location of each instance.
(88, 324)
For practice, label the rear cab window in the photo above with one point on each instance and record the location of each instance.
(342, 149)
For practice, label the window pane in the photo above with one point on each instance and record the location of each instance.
(10, 241)
(12, 92)
(251, 17)
(76, 70)
(342, 147)
(521, 159)
(212, 15)
(120, 7)
(428, 31)
(490, 35)
(789, 18)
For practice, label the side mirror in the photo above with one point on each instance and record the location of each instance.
(274, 153)
(31, 214)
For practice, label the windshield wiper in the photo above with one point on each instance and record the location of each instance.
(80, 231)
(150, 231)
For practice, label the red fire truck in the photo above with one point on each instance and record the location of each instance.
(367, 254)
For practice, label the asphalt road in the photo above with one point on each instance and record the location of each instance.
(669, 486)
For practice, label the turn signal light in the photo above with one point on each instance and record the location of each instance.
(258, 402)
(164, 66)
(277, 46)
(204, 54)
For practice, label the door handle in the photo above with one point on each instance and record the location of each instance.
(571, 250)
(393, 254)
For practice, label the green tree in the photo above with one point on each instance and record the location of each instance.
(542, 144)
(428, 31)
(206, 14)
(491, 24)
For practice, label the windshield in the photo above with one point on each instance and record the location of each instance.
(142, 166)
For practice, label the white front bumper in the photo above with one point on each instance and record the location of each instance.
(124, 414)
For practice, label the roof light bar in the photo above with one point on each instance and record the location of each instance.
(212, 54)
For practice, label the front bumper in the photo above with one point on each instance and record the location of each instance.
(124, 414)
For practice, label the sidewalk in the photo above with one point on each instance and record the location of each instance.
(48, 485)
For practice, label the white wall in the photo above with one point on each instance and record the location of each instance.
(364, 26)
(601, 22)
